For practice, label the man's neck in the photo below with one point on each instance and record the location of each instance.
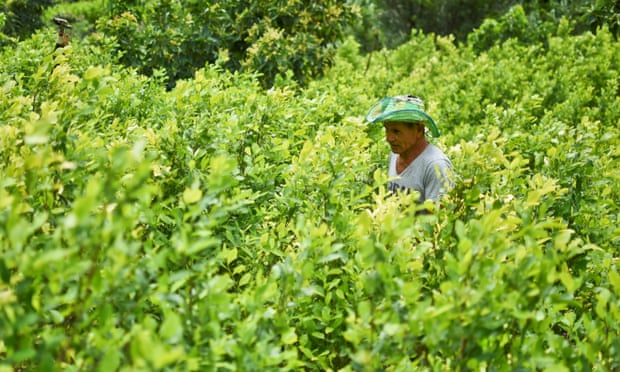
(414, 152)
(406, 158)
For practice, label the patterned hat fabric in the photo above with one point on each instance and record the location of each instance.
(408, 109)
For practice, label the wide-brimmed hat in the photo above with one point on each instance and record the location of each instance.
(408, 109)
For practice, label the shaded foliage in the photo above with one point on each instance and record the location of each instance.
(268, 38)
(23, 17)
(393, 20)
(292, 39)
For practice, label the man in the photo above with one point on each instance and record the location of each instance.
(415, 164)
(63, 36)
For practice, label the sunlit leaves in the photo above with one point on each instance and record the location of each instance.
(217, 225)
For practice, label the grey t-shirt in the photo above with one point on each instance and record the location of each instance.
(429, 174)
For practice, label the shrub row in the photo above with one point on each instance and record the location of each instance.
(219, 225)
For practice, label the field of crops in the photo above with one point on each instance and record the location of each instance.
(219, 225)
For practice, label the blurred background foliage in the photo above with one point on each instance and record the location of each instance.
(393, 20)
(294, 38)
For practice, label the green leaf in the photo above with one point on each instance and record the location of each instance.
(614, 279)
(172, 327)
(110, 361)
(289, 336)
(94, 73)
(191, 196)
(36, 139)
(51, 256)
(229, 255)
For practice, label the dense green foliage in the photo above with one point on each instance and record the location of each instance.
(22, 17)
(270, 38)
(179, 37)
(220, 225)
(391, 20)
(274, 38)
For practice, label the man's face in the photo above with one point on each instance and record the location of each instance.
(403, 137)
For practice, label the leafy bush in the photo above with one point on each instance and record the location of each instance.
(4, 39)
(269, 38)
(219, 225)
(23, 17)
(601, 13)
(389, 22)
(396, 18)
(83, 15)
(514, 24)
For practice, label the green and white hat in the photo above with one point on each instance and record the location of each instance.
(408, 109)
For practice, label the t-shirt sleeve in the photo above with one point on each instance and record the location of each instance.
(437, 179)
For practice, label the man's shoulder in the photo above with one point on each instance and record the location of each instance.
(432, 154)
